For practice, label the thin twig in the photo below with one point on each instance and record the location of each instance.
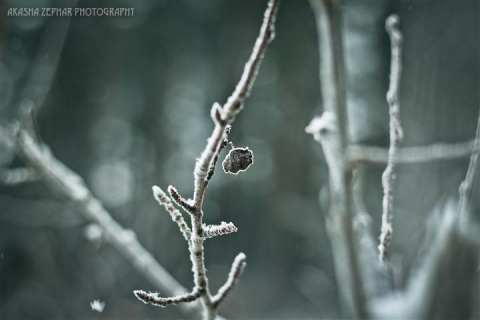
(181, 201)
(56, 175)
(413, 155)
(154, 299)
(235, 273)
(165, 201)
(331, 129)
(213, 230)
(396, 135)
(374, 278)
(466, 186)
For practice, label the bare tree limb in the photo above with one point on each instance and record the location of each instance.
(56, 175)
(396, 134)
(331, 130)
(413, 155)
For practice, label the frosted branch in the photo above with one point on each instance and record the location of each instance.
(154, 299)
(235, 273)
(466, 185)
(235, 102)
(165, 201)
(396, 135)
(204, 169)
(213, 230)
(56, 175)
(413, 155)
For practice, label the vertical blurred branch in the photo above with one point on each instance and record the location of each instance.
(466, 185)
(396, 134)
(331, 130)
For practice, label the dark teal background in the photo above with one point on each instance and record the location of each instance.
(129, 108)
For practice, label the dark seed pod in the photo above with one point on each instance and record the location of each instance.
(238, 159)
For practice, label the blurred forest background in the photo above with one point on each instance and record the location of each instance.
(129, 108)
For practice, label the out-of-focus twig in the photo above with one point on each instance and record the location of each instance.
(413, 155)
(396, 135)
(375, 280)
(466, 185)
(331, 130)
(17, 175)
(56, 175)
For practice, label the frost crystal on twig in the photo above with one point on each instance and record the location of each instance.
(396, 135)
(153, 298)
(210, 231)
(182, 202)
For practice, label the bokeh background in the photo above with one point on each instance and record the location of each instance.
(128, 108)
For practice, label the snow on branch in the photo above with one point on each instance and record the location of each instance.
(396, 135)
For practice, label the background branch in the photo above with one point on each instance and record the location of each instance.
(466, 185)
(396, 134)
(332, 132)
(412, 155)
(57, 176)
